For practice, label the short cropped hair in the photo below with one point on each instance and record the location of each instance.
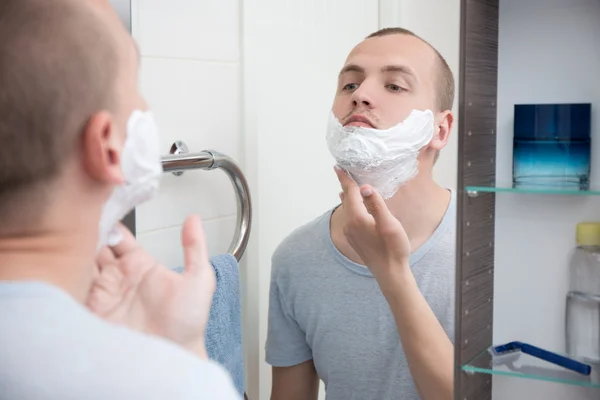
(58, 66)
(445, 80)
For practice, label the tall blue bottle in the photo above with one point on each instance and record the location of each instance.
(552, 146)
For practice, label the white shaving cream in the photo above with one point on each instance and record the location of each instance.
(385, 159)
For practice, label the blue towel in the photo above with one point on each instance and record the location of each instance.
(224, 329)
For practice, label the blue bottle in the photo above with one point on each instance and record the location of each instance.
(552, 146)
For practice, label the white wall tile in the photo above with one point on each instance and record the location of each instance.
(197, 102)
(165, 244)
(198, 29)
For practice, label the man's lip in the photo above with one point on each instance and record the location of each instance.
(359, 120)
(359, 123)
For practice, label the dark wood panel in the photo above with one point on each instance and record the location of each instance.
(481, 94)
(478, 233)
(477, 387)
(479, 123)
(477, 313)
(480, 63)
(476, 261)
(477, 310)
(476, 216)
(480, 117)
(480, 171)
(480, 145)
(478, 341)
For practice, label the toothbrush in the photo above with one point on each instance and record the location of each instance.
(542, 354)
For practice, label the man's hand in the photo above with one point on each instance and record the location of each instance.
(381, 242)
(133, 289)
(373, 232)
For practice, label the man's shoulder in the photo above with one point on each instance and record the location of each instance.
(438, 252)
(445, 234)
(160, 368)
(77, 350)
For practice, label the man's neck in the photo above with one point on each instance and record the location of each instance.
(420, 206)
(55, 256)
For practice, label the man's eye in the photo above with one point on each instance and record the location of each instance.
(350, 86)
(395, 88)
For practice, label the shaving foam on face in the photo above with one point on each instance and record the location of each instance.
(385, 159)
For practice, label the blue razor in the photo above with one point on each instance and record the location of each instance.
(542, 354)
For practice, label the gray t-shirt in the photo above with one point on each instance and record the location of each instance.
(53, 348)
(329, 309)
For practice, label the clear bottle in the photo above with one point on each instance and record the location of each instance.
(583, 299)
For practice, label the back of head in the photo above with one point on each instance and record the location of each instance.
(58, 66)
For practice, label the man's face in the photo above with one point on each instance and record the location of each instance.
(384, 79)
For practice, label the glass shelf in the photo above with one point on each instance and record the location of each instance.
(521, 365)
(473, 191)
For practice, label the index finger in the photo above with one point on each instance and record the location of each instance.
(353, 201)
(127, 243)
(105, 257)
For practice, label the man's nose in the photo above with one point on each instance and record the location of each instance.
(361, 97)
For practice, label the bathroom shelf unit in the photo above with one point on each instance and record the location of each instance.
(488, 211)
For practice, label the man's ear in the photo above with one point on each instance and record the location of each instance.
(443, 126)
(102, 144)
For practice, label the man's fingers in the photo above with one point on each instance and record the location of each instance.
(351, 198)
(105, 258)
(127, 244)
(194, 244)
(345, 180)
(376, 206)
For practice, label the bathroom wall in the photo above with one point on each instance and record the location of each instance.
(548, 53)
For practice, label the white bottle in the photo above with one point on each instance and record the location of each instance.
(583, 300)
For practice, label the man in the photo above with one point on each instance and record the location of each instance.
(346, 306)
(79, 150)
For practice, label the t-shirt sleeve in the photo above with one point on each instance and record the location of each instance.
(449, 325)
(286, 341)
(447, 318)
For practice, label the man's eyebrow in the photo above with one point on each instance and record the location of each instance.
(352, 68)
(402, 69)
